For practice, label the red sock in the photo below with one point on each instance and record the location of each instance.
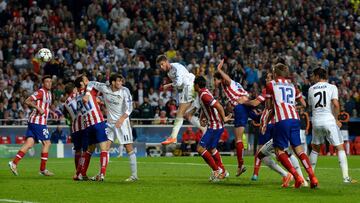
(77, 159)
(103, 161)
(44, 158)
(85, 163)
(217, 158)
(284, 159)
(257, 164)
(18, 157)
(306, 163)
(239, 153)
(209, 160)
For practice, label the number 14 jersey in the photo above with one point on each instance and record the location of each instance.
(320, 96)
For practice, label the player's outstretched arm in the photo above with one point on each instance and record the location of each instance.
(221, 111)
(225, 76)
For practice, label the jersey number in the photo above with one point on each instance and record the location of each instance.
(322, 100)
(287, 94)
(81, 106)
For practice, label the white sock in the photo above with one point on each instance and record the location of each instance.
(305, 147)
(313, 159)
(343, 163)
(274, 166)
(347, 147)
(296, 164)
(133, 164)
(177, 125)
(121, 149)
(196, 122)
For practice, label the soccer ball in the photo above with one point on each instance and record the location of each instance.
(44, 55)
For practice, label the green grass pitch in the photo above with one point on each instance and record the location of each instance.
(174, 179)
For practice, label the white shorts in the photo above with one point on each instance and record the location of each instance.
(345, 134)
(123, 134)
(331, 132)
(303, 136)
(187, 94)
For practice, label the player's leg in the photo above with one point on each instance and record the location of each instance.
(206, 155)
(76, 140)
(44, 157)
(240, 121)
(215, 153)
(303, 141)
(296, 164)
(257, 164)
(29, 142)
(194, 120)
(345, 135)
(296, 144)
(336, 139)
(177, 124)
(133, 164)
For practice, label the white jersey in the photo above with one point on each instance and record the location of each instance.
(320, 96)
(180, 76)
(117, 103)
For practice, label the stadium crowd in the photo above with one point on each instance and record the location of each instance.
(100, 37)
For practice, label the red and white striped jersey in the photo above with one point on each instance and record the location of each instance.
(70, 104)
(91, 110)
(262, 96)
(264, 116)
(207, 102)
(234, 91)
(284, 95)
(42, 97)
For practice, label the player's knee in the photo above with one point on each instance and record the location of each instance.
(316, 147)
(340, 147)
(200, 149)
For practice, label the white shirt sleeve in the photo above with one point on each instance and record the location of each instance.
(96, 85)
(310, 96)
(335, 93)
(128, 101)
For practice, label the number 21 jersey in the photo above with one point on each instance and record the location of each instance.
(320, 96)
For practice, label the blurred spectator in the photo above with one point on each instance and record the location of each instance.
(58, 135)
(188, 141)
(146, 110)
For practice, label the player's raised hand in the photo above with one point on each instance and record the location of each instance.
(165, 87)
(339, 124)
(219, 67)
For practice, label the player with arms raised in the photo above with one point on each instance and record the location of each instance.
(214, 114)
(281, 96)
(118, 101)
(37, 129)
(183, 81)
(323, 99)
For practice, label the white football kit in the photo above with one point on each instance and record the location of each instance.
(183, 81)
(117, 103)
(324, 124)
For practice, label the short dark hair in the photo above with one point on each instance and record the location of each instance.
(78, 81)
(320, 72)
(161, 58)
(115, 76)
(201, 81)
(69, 88)
(218, 75)
(281, 70)
(45, 77)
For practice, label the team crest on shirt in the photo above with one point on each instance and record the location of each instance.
(36, 93)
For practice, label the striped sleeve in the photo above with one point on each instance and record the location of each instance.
(37, 95)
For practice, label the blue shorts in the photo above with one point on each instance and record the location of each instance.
(96, 133)
(38, 132)
(264, 138)
(211, 138)
(287, 131)
(80, 140)
(242, 113)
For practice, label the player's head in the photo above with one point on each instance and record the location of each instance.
(319, 74)
(46, 82)
(116, 81)
(218, 79)
(163, 62)
(199, 83)
(79, 82)
(70, 88)
(269, 77)
(280, 70)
